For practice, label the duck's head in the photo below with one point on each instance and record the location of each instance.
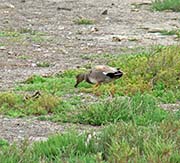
(80, 78)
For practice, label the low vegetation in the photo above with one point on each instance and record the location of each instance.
(22, 35)
(135, 129)
(43, 64)
(123, 142)
(160, 5)
(84, 21)
(171, 32)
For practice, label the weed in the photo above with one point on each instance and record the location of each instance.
(23, 57)
(15, 105)
(171, 32)
(83, 21)
(3, 143)
(142, 144)
(8, 99)
(160, 5)
(9, 34)
(43, 64)
(141, 109)
(27, 30)
(43, 105)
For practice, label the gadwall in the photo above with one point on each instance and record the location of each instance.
(99, 74)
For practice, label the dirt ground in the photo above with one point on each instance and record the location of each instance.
(131, 22)
(128, 24)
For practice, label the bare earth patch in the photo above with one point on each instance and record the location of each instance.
(128, 24)
(19, 129)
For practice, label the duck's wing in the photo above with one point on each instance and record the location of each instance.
(96, 76)
(105, 69)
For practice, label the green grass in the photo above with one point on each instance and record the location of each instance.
(43, 64)
(15, 105)
(171, 32)
(160, 5)
(140, 109)
(84, 21)
(23, 57)
(3, 143)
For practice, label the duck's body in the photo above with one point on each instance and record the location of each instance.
(99, 74)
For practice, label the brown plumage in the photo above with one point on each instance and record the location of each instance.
(99, 74)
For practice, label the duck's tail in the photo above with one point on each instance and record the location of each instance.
(116, 74)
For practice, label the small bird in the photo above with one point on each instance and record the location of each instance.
(99, 74)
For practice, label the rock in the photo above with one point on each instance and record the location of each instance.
(94, 29)
(105, 12)
(10, 52)
(107, 18)
(38, 49)
(155, 30)
(2, 48)
(143, 27)
(116, 39)
(6, 6)
(33, 64)
(132, 39)
(147, 2)
(35, 138)
(64, 8)
(135, 10)
(170, 107)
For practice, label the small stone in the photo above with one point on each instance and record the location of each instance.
(33, 64)
(155, 30)
(105, 12)
(38, 49)
(63, 51)
(94, 29)
(148, 2)
(7, 5)
(132, 39)
(135, 10)
(107, 18)
(116, 39)
(23, 1)
(64, 8)
(2, 48)
(10, 52)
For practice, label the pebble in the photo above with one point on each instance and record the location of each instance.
(2, 48)
(6, 6)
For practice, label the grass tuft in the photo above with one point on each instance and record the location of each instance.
(83, 21)
(140, 109)
(171, 32)
(160, 5)
(15, 105)
(43, 64)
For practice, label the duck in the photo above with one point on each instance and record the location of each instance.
(99, 74)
